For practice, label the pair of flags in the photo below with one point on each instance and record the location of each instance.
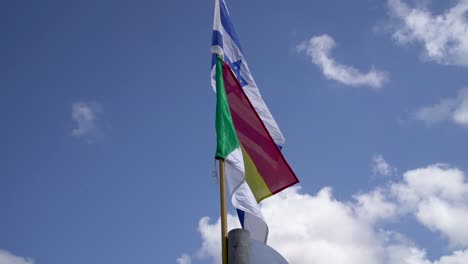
(248, 137)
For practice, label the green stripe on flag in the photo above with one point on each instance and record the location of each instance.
(226, 134)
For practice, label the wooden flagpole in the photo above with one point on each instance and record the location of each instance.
(222, 191)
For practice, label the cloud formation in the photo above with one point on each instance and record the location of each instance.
(8, 258)
(437, 196)
(452, 109)
(86, 116)
(318, 48)
(326, 230)
(374, 206)
(184, 259)
(381, 167)
(211, 236)
(444, 37)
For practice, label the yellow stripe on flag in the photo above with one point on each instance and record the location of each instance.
(254, 179)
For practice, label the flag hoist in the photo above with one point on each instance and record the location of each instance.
(249, 140)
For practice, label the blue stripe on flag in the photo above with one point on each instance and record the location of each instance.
(217, 39)
(213, 60)
(241, 215)
(228, 26)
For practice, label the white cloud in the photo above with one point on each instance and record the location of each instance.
(458, 257)
(381, 167)
(453, 109)
(460, 115)
(211, 236)
(86, 116)
(374, 206)
(438, 197)
(8, 258)
(184, 259)
(436, 113)
(412, 255)
(319, 49)
(321, 229)
(438, 180)
(404, 254)
(450, 220)
(444, 37)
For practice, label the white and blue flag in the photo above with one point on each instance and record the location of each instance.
(225, 43)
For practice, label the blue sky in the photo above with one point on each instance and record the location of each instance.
(108, 129)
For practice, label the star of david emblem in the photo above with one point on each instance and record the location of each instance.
(236, 68)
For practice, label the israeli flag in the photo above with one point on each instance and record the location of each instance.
(226, 44)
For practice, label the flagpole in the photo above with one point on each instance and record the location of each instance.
(222, 191)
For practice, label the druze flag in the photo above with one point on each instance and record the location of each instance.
(248, 137)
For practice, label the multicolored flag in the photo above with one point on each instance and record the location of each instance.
(249, 139)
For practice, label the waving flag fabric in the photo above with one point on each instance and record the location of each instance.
(255, 167)
(229, 149)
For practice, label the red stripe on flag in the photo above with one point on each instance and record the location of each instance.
(255, 138)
